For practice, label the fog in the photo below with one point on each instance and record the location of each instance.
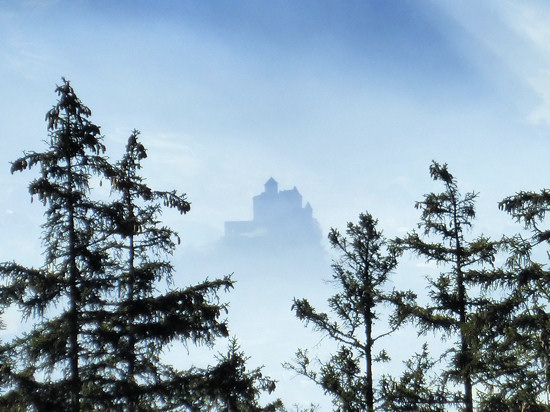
(277, 255)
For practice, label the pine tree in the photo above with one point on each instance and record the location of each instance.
(519, 340)
(62, 295)
(5, 363)
(418, 388)
(103, 307)
(141, 321)
(455, 295)
(236, 389)
(361, 275)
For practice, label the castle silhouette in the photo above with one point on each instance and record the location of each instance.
(278, 218)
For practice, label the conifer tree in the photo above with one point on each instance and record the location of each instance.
(5, 362)
(141, 321)
(455, 295)
(235, 388)
(418, 388)
(519, 340)
(102, 308)
(361, 274)
(51, 359)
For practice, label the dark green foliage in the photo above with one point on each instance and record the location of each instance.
(64, 294)
(418, 388)
(6, 366)
(102, 307)
(456, 295)
(140, 321)
(360, 274)
(519, 339)
(233, 388)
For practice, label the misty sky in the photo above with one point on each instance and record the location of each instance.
(348, 101)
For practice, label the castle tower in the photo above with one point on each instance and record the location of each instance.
(271, 187)
(279, 217)
(265, 204)
(308, 211)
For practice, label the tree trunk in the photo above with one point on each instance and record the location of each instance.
(132, 401)
(464, 346)
(368, 331)
(73, 302)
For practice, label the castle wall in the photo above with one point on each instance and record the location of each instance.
(278, 215)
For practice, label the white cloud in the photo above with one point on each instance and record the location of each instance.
(529, 20)
(541, 84)
(517, 35)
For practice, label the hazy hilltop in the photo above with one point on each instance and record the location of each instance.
(282, 236)
(274, 257)
(281, 227)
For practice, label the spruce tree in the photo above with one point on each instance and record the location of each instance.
(5, 363)
(62, 296)
(518, 340)
(361, 274)
(456, 297)
(141, 321)
(418, 388)
(102, 309)
(235, 388)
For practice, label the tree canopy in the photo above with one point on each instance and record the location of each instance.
(103, 308)
(361, 274)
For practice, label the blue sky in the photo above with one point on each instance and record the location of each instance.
(340, 101)
(348, 101)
